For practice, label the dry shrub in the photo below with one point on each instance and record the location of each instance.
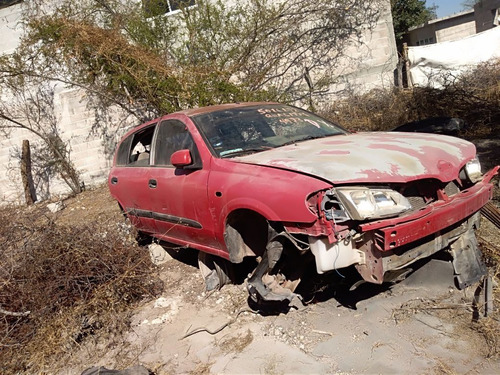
(376, 110)
(473, 97)
(489, 329)
(73, 281)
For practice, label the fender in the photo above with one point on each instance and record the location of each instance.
(252, 205)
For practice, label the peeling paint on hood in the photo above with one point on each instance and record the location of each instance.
(371, 157)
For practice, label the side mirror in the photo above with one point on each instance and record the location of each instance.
(181, 159)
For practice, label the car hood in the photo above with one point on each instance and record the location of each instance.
(371, 157)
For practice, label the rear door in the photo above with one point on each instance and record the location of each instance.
(129, 180)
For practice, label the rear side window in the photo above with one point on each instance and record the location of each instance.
(174, 136)
(135, 150)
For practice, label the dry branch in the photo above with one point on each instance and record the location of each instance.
(10, 313)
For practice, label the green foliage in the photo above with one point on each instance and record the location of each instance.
(409, 13)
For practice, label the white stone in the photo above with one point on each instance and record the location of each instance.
(56, 206)
(158, 254)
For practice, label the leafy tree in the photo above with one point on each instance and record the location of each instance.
(469, 4)
(409, 13)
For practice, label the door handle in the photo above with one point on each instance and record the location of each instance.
(153, 183)
(114, 180)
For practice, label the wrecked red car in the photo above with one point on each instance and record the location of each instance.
(283, 185)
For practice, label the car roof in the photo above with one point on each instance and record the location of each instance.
(214, 108)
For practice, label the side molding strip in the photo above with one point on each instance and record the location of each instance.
(164, 217)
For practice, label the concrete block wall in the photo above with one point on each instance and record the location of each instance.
(444, 29)
(486, 11)
(87, 151)
(455, 32)
(370, 64)
(75, 122)
(484, 16)
(10, 29)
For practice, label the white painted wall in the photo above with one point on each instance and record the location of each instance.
(371, 65)
(74, 121)
(87, 149)
(10, 30)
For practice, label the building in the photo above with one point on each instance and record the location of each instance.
(484, 16)
(487, 15)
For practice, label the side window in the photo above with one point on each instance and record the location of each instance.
(174, 136)
(135, 150)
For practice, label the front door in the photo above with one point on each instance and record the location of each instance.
(180, 204)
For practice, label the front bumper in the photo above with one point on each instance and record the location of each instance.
(393, 233)
(393, 244)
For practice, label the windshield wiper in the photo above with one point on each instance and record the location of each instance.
(308, 138)
(241, 151)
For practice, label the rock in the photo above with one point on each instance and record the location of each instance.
(56, 206)
(158, 254)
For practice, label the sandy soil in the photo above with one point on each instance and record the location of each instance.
(421, 325)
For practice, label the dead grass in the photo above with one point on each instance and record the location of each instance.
(202, 369)
(70, 279)
(473, 97)
(442, 368)
(236, 344)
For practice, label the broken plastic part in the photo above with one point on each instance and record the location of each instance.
(467, 262)
(333, 256)
(262, 285)
(333, 208)
(216, 271)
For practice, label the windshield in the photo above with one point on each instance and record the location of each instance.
(243, 130)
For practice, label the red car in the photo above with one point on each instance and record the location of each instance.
(283, 185)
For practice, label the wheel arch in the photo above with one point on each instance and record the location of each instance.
(245, 234)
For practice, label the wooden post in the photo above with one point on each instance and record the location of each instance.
(399, 73)
(29, 186)
(406, 60)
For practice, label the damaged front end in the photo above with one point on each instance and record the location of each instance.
(380, 230)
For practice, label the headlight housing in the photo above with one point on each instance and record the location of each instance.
(473, 170)
(370, 203)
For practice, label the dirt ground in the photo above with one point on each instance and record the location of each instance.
(421, 325)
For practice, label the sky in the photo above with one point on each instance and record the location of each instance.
(446, 7)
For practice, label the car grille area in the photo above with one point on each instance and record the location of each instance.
(422, 193)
